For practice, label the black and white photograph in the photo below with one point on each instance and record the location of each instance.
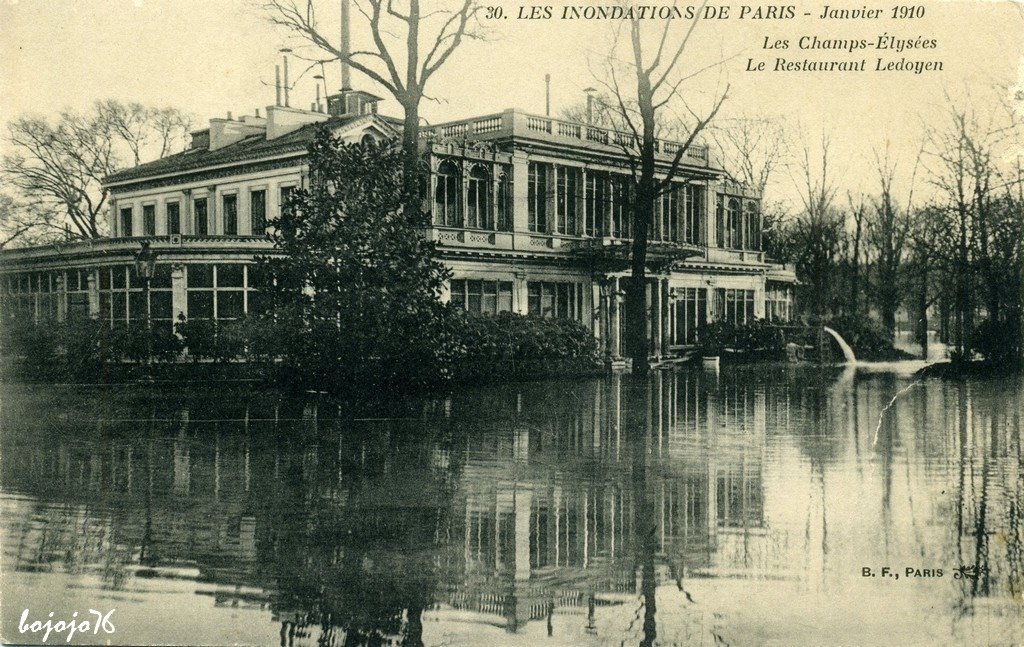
(438, 323)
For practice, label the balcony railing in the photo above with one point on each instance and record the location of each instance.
(132, 244)
(513, 123)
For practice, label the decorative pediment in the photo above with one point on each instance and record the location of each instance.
(367, 125)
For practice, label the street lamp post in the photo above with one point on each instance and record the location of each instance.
(145, 266)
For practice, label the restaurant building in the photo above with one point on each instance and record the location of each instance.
(531, 213)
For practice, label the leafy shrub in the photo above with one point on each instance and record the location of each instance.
(220, 341)
(758, 339)
(199, 337)
(78, 348)
(995, 340)
(509, 346)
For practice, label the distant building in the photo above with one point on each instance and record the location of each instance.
(531, 214)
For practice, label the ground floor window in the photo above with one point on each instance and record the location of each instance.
(691, 313)
(560, 300)
(221, 291)
(481, 297)
(778, 304)
(32, 296)
(734, 306)
(76, 283)
(123, 298)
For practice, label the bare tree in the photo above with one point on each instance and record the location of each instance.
(752, 148)
(57, 168)
(858, 211)
(397, 61)
(980, 200)
(145, 129)
(888, 227)
(818, 230)
(24, 223)
(659, 77)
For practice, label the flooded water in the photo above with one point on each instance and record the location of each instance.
(767, 506)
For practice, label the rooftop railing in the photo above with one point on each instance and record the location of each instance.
(514, 123)
(131, 244)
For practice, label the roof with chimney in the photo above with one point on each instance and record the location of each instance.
(251, 147)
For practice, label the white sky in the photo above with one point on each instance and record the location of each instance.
(211, 56)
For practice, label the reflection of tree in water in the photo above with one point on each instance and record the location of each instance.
(586, 507)
(361, 561)
(989, 502)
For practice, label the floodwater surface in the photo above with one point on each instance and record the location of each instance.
(772, 505)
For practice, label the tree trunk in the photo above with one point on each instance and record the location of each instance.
(643, 211)
(411, 170)
(922, 325)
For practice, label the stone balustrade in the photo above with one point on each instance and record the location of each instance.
(514, 123)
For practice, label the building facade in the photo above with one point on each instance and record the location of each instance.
(531, 213)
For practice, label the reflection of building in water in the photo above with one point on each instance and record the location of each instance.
(549, 519)
(510, 509)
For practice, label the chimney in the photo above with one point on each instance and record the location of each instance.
(282, 120)
(346, 80)
(547, 93)
(277, 85)
(224, 132)
(286, 102)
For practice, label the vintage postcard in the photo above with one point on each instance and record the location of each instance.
(510, 323)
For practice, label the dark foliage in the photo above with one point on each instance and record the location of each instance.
(756, 340)
(997, 342)
(77, 349)
(357, 286)
(513, 347)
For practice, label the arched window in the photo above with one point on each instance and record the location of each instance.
(367, 139)
(478, 205)
(448, 195)
(734, 224)
(502, 208)
(753, 225)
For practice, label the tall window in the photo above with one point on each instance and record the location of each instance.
(567, 188)
(720, 228)
(596, 204)
(173, 218)
(620, 207)
(481, 297)
(665, 215)
(201, 225)
(691, 314)
(692, 215)
(779, 304)
(752, 223)
(258, 212)
(734, 306)
(126, 221)
(537, 197)
(502, 202)
(448, 195)
(729, 219)
(735, 223)
(149, 220)
(561, 300)
(478, 207)
(230, 215)
(285, 193)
